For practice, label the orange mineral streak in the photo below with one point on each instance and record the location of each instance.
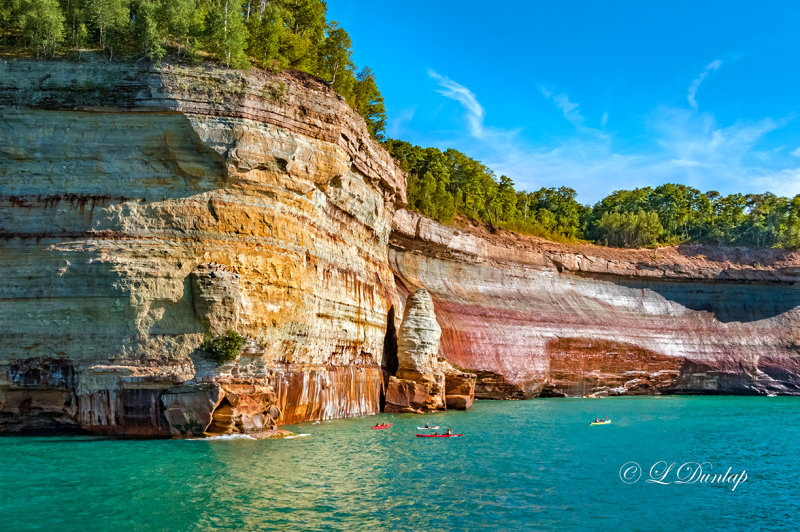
(145, 206)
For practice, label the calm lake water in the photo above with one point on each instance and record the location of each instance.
(520, 465)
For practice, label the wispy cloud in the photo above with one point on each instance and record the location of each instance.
(398, 123)
(569, 109)
(711, 67)
(687, 147)
(464, 96)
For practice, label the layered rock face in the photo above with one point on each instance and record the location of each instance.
(143, 207)
(532, 317)
(424, 381)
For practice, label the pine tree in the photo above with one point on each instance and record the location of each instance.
(444, 204)
(148, 31)
(427, 191)
(267, 36)
(368, 102)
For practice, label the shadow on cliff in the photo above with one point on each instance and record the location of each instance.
(726, 301)
(736, 255)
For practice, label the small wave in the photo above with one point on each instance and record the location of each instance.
(225, 437)
(293, 436)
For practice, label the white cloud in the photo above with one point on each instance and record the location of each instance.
(464, 96)
(711, 67)
(796, 152)
(568, 108)
(604, 120)
(397, 124)
(783, 183)
(688, 147)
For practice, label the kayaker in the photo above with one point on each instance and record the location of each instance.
(596, 420)
(449, 431)
(436, 433)
(427, 426)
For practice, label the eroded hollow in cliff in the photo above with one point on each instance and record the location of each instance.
(390, 363)
(222, 419)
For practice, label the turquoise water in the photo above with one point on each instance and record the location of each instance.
(520, 465)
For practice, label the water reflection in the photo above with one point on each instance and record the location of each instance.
(520, 465)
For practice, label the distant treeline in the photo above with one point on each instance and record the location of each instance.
(280, 34)
(441, 184)
(271, 34)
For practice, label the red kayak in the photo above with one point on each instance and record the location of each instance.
(381, 426)
(438, 435)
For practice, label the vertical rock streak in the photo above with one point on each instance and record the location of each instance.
(144, 207)
(532, 317)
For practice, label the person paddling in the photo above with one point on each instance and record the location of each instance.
(449, 432)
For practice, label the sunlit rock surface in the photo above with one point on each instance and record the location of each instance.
(145, 206)
(533, 317)
(425, 381)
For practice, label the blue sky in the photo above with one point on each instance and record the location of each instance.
(594, 95)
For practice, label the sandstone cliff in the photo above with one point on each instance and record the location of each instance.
(144, 206)
(534, 317)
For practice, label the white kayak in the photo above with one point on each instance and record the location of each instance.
(428, 428)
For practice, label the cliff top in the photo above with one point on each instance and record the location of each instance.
(475, 242)
(293, 100)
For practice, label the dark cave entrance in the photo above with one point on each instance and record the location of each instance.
(390, 363)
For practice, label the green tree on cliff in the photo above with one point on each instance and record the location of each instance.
(178, 18)
(368, 102)
(629, 229)
(149, 28)
(227, 33)
(76, 30)
(268, 36)
(42, 25)
(111, 19)
(335, 62)
(306, 25)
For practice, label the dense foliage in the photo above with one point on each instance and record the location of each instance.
(223, 348)
(271, 34)
(280, 34)
(442, 184)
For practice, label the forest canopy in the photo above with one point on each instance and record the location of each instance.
(282, 34)
(270, 34)
(443, 184)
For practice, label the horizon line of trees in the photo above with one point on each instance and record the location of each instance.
(444, 184)
(280, 34)
(270, 34)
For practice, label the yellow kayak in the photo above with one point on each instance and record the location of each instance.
(606, 422)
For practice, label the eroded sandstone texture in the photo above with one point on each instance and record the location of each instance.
(144, 206)
(425, 381)
(532, 317)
